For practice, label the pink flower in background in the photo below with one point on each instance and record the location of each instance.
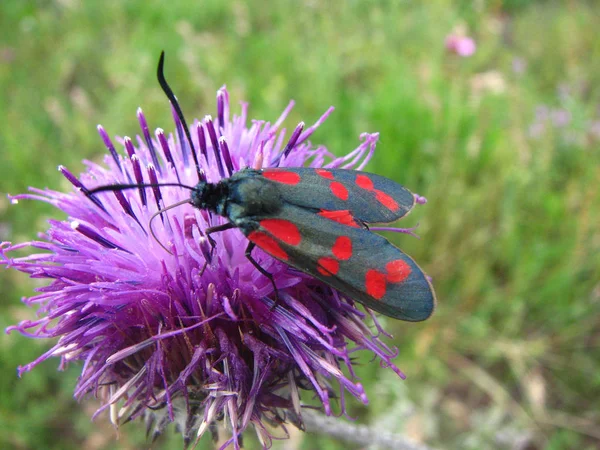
(461, 45)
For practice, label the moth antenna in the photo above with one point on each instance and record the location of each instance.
(124, 186)
(160, 74)
(158, 213)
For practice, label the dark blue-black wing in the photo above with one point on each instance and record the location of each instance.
(360, 264)
(368, 197)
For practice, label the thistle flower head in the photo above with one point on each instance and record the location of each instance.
(161, 334)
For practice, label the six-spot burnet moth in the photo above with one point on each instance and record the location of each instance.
(315, 220)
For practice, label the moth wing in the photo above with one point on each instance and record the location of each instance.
(357, 262)
(369, 197)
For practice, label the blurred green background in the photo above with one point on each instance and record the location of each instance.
(505, 145)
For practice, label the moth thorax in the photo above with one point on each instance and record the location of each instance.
(257, 197)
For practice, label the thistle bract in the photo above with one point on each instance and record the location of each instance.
(164, 329)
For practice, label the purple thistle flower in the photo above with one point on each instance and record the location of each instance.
(163, 340)
(561, 117)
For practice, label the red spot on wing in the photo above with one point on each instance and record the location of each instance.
(324, 173)
(397, 271)
(386, 200)
(375, 284)
(375, 281)
(328, 266)
(342, 216)
(268, 244)
(284, 230)
(339, 190)
(342, 248)
(281, 176)
(364, 182)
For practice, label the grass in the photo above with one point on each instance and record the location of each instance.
(510, 234)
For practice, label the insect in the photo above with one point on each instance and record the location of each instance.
(316, 220)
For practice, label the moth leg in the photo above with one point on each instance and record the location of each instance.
(255, 263)
(211, 241)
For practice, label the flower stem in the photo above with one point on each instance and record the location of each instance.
(356, 433)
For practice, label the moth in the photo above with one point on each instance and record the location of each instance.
(317, 221)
